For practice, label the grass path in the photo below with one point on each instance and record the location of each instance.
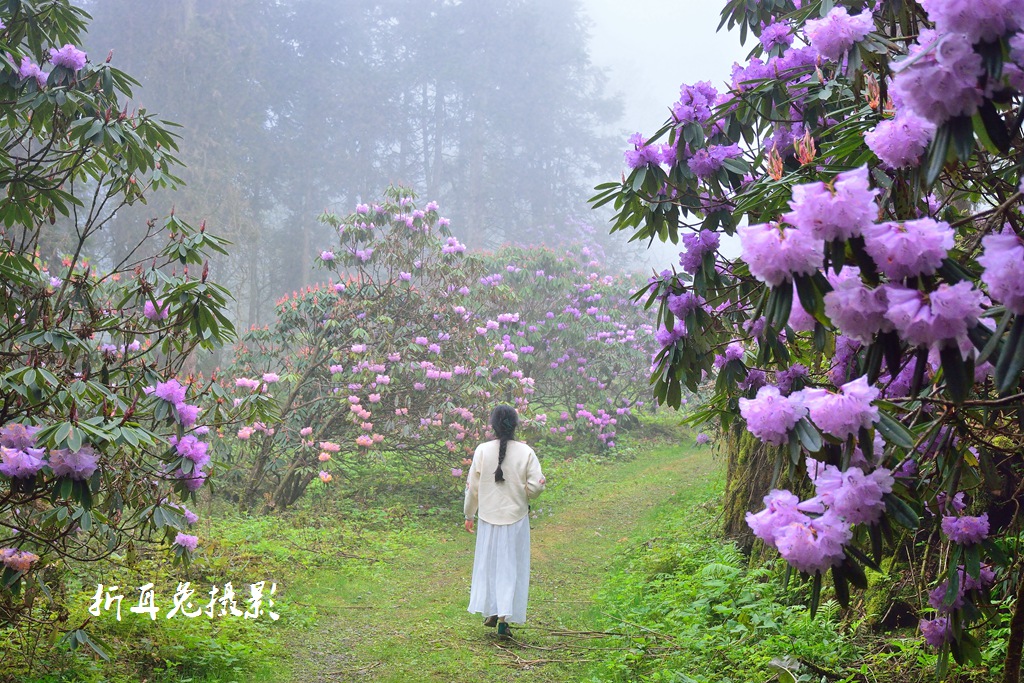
(406, 620)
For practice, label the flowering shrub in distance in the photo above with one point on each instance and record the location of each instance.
(871, 330)
(411, 343)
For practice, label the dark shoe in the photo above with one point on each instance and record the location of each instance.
(491, 621)
(504, 630)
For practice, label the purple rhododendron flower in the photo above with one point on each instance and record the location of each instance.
(744, 77)
(942, 80)
(770, 415)
(734, 351)
(815, 546)
(78, 465)
(856, 309)
(899, 142)
(18, 436)
(979, 20)
(834, 34)
(936, 632)
(171, 391)
(780, 511)
(965, 530)
(775, 34)
(29, 69)
(194, 480)
(843, 414)
(186, 541)
(19, 463)
(933, 319)
(937, 598)
(697, 245)
(851, 494)
(667, 337)
(192, 448)
(681, 305)
(1004, 273)
(834, 214)
(775, 252)
(69, 57)
(187, 414)
(902, 250)
(155, 312)
(707, 161)
(695, 102)
(190, 517)
(784, 379)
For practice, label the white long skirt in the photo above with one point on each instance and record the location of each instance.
(501, 570)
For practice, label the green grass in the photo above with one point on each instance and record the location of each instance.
(405, 618)
(373, 585)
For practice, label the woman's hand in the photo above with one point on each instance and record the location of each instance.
(469, 525)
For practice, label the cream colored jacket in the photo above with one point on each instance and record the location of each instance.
(504, 502)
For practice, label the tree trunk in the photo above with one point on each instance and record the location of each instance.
(1015, 643)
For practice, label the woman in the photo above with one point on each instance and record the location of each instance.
(504, 475)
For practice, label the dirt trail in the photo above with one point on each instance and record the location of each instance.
(407, 620)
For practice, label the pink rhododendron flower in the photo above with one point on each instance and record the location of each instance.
(155, 312)
(899, 142)
(775, 252)
(814, 546)
(979, 20)
(941, 81)
(171, 391)
(902, 250)
(834, 34)
(771, 415)
(305, 431)
(942, 316)
(186, 541)
(17, 560)
(1002, 260)
(21, 463)
(838, 212)
(325, 476)
(78, 465)
(330, 446)
(69, 57)
(856, 309)
(843, 414)
(966, 530)
(780, 511)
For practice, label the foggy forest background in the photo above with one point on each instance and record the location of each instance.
(291, 107)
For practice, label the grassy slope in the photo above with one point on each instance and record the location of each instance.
(405, 619)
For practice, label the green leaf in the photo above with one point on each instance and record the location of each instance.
(815, 593)
(1011, 359)
(902, 513)
(841, 586)
(937, 153)
(972, 561)
(958, 384)
(894, 431)
(809, 435)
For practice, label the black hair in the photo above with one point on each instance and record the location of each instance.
(504, 420)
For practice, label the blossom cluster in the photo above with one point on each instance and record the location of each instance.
(20, 458)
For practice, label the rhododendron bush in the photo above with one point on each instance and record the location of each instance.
(852, 278)
(101, 439)
(399, 358)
